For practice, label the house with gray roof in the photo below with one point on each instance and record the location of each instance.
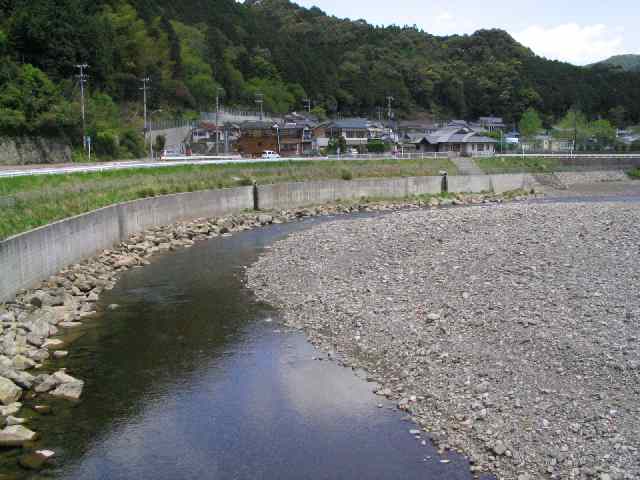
(453, 140)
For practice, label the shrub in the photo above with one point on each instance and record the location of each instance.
(132, 144)
(106, 143)
(346, 174)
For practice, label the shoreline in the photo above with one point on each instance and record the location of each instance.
(516, 398)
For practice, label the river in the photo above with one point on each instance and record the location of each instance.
(193, 378)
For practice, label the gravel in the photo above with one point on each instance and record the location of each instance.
(510, 333)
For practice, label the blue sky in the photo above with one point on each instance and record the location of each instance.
(578, 32)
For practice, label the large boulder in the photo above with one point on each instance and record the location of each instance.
(16, 436)
(9, 391)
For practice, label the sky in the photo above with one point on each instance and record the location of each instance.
(579, 32)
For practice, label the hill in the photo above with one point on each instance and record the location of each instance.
(195, 48)
(629, 63)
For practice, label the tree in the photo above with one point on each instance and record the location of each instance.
(530, 124)
(603, 132)
(618, 116)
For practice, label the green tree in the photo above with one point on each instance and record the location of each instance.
(530, 124)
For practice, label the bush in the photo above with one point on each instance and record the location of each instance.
(106, 144)
(375, 146)
(132, 144)
(346, 174)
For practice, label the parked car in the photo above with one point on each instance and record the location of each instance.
(270, 154)
(170, 153)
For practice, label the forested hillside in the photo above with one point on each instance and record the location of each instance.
(192, 48)
(629, 63)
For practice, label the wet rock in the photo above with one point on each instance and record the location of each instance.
(60, 354)
(33, 460)
(20, 362)
(113, 307)
(15, 436)
(69, 391)
(9, 391)
(15, 421)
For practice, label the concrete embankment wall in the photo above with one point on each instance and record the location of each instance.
(30, 257)
(289, 195)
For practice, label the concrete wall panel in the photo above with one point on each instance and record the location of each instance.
(469, 184)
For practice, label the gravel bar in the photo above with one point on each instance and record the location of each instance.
(510, 333)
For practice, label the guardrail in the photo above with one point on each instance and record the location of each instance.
(569, 155)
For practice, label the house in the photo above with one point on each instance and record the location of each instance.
(491, 124)
(355, 131)
(286, 139)
(406, 127)
(546, 143)
(455, 141)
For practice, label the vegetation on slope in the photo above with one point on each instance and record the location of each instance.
(38, 200)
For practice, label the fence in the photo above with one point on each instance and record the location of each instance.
(169, 124)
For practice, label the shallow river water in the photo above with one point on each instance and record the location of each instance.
(192, 378)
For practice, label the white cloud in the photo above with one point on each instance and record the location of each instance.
(445, 23)
(573, 43)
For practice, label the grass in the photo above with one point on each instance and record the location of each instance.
(39, 200)
(517, 164)
(634, 174)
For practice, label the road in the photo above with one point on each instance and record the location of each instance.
(28, 170)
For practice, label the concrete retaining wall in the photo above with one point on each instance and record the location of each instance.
(33, 256)
(469, 184)
(28, 258)
(289, 195)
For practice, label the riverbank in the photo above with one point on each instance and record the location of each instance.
(32, 201)
(35, 324)
(508, 333)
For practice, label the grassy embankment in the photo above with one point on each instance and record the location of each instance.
(33, 201)
(517, 164)
(634, 174)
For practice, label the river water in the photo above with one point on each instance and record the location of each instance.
(192, 378)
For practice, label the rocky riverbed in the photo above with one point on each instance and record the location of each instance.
(35, 323)
(510, 333)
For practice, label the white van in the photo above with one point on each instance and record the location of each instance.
(270, 154)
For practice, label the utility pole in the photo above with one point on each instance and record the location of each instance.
(389, 100)
(260, 101)
(307, 104)
(217, 117)
(147, 127)
(83, 78)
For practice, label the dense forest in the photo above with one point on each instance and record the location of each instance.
(194, 49)
(629, 63)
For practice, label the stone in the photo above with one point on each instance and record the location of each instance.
(69, 391)
(46, 385)
(265, 219)
(10, 409)
(32, 461)
(35, 340)
(60, 354)
(112, 307)
(9, 391)
(42, 409)
(432, 317)
(11, 420)
(16, 436)
(499, 448)
(20, 362)
(53, 343)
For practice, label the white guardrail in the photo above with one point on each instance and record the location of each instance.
(569, 155)
(174, 161)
